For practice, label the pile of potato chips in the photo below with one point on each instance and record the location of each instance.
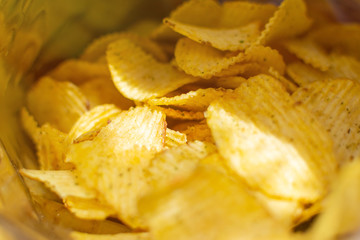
(237, 120)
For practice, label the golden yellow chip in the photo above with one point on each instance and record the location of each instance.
(232, 39)
(94, 119)
(198, 100)
(343, 66)
(310, 52)
(143, 27)
(29, 124)
(98, 48)
(289, 85)
(79, 71)
(57, 103)
(336, 105)
(289, 20)
(179, 114)
(274, 144)
(153, 79)
(174, 138)
(119, 236)
(228, 82)
(190, 209)
(100, 91)
(198, 131)
(303, 74)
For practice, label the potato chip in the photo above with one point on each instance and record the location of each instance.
(198, 100)
(336, 105)
(289, 85)
(79, 71)
(29, 124)
(174, 138)
(94, 119)
(303, 74)
(100, 91)
(84, 208)
(179, 114)
(119, 236)
(232, 39)
(56, 213)
(260, 130)
(98, 48)
(341, 214)
(228, 82)
(289, 20)
(62, 182)
(209, 205)
(143, 27)
(343, 66)
(310, 52)
(154, 80)
(57, 103)
(198, 131)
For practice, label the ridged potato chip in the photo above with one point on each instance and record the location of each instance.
(119, 236)
(208, 205)
(336, 105)
(57, 103)
(154, 79)
(79, 71)
(198, 100)
(275, 145)
(228, 82)
(100, 91)
(174, 138)
(198, 131)
(289, 20)
(232, 39)
(289, 85)
(303, 74)
(179, 114)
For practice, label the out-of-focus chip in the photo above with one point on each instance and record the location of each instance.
(336, 105)
(288, 21)
(209, 205)
(341, 213)
(119, 236)
(143, 27)
(79, 71)
(232, 39)
(57, 103)
(198, 131)
(310, 52)
(274, 144)
(29, 124)
(303, 74)
(98, 48)
(154, 79)
(100, 91)
(343, 66)
(94, 119)
(179, 114)
(174, 138)
(198, 100)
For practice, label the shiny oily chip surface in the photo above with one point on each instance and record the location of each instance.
(152, 79)
(198, 100)
(57, 103)
(289, 20)
(274, 144)
(79, 71)
(208, 205)
(336, 105)
(118, 236)
(232, 39)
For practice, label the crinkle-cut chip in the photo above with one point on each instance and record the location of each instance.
(246, 70)
(303, 74)
(51, 146)
(152, 79)
(228, 82)
(176, 164)
(198, 131)
(197, 101)
(289, 20)
(94, 119)
(85, 208)
(56, 213)
(197, 12)
(289, 85)
(232, 39)
(29, 124)
(336, 105)
(179, 114)
(276, 145)
(119, 236)
(57, 103)
(343, 66)
(344, 37)
(98, 47)
(240, 13)
(310, 52)
(341, 212)
(174, 138)
(79, 71)
(100, 91)
(62, 182)
(190, 209)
